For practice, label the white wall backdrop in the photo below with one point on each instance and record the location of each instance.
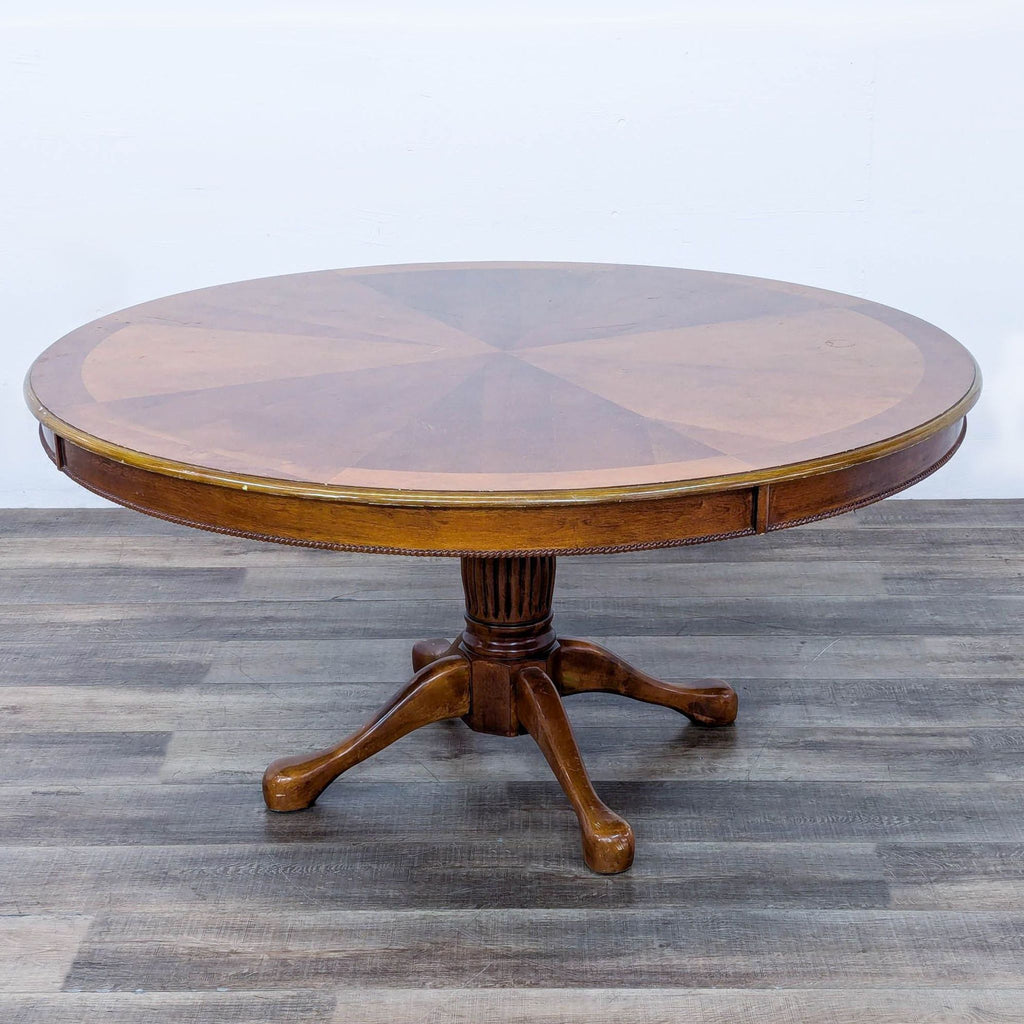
(867, 146)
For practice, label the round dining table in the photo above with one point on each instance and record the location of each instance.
(504, 414)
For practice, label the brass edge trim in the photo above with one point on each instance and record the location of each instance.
(490, 499)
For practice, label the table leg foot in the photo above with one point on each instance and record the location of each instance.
(578, 666)
(438, 690)
(607, 839)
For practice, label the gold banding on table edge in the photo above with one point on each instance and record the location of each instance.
(491, 499)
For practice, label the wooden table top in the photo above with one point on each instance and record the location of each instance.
(481, 385)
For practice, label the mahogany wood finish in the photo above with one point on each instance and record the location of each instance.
(439, 690)
(485, 409)
(608, 842)
(582, 667)
(612, 525)
(506, 414)
(506, 674)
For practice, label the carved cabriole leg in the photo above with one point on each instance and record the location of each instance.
(508, 640)
(506, 674)
(581, 667)
(607, 839)
(437, 691)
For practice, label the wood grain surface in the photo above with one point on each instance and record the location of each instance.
(463, 377)
(851, 851)
(500, 409)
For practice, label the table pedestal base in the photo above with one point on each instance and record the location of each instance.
(506, 674)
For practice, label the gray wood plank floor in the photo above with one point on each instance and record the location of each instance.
(851, 851)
